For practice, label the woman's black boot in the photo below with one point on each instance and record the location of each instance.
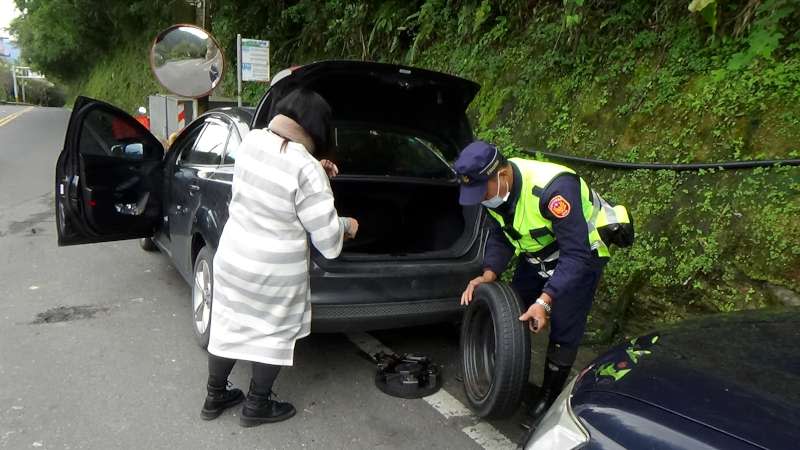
(219, 399)
(259, 407)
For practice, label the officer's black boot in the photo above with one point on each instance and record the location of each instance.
(554, 378)
(259, 407)
(219, 399)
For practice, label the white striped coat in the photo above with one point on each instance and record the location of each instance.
(261, 283)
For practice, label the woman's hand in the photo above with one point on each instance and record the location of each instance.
(352, 230)
(487, 277)
(330, 168)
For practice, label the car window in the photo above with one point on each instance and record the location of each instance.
(209, 146)
(230, 149)
(364, 151)
(107, 134)
(185, 140)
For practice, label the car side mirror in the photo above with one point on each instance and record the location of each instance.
(128, 151)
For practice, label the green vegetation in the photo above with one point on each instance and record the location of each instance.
(620, 80)
(123, 77)
(95, 47)
(6, 82)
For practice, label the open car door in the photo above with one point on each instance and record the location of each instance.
(108, 177)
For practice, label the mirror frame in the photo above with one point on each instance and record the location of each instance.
(151, 58)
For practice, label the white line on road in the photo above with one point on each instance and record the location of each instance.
(488, 437)
(448, 405)
(483, 433)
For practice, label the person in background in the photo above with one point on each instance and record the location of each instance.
(142, 117)
(280, 195)
(171, 140)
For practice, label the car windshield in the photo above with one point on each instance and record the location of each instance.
(370, 151)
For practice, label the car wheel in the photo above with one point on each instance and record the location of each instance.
(202, 295)
(495, 351)
(147, 244)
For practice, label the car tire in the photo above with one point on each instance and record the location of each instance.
(495, 351)
(147, 244)
(202, 295)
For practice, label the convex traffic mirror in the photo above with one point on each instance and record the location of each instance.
(187, 61)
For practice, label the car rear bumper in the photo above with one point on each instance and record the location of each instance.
(348, 296)
(329, 318)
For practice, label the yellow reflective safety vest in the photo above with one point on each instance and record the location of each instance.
(532, 234)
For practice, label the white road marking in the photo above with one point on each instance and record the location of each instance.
(447, 405)
(488, 437)
(483, 433)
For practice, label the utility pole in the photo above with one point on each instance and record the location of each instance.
(14, 76)
(239, 70)
(201, 12)
(25, 73)
(202, 102)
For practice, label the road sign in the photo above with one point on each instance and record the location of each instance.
(255, 60)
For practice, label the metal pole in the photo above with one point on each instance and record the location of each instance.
(16, 89)
(239, 70)
(23, 91)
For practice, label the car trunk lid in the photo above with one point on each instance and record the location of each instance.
(379, 94)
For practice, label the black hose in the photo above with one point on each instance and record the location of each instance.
(663, 166)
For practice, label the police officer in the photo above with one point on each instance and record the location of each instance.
(548, 216)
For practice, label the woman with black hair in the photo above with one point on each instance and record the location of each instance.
(280, 195)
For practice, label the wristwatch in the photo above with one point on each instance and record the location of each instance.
(547, 308)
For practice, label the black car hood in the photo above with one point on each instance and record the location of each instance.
(738, 373)
(428, 102)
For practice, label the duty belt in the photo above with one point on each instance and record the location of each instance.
(547, 264)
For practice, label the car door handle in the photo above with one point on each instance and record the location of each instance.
(194, 187)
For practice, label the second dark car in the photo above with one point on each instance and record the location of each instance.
(729, 381)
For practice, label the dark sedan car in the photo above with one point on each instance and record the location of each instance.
(395, 128)
(721, 382)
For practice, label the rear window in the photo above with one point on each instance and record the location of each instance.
(365, 151)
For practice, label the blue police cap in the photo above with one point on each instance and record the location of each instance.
(474, 166)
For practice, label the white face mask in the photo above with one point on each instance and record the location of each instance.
(496, 201)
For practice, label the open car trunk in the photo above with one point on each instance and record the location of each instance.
(395, 128)
(415, 219)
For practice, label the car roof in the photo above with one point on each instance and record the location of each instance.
(238, 113)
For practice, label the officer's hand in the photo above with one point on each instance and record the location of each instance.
(330, 167)
(536, 317)
(487, 277)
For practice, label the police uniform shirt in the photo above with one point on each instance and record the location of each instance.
(571, 232)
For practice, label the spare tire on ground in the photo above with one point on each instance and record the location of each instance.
(495, 351)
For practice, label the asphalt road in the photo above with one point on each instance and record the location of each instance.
(123, 371)
(191, 77)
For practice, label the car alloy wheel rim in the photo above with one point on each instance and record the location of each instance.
(201, 297)
(479, 355)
